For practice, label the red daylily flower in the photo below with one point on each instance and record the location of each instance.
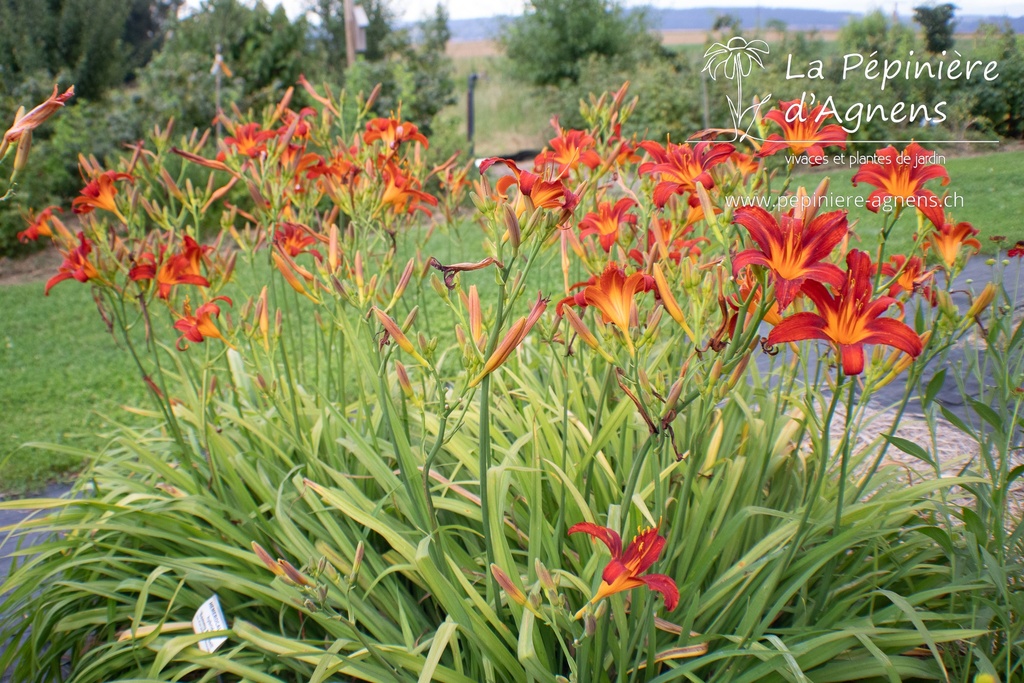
(849, 319)
(802, 132)
(678, 168)
(302, 127)
(99, 193)
(39, 225)
(793, 250)
(948, 237)
(901, 176)
(76, 265)
(295, 239)
(393, 132)
(664, 242)
(182, 268)
(402, 193)
(543, 194)
(626, 569)
(196, 328)
(1017, 250)
(248, 140)
(910, 275)
(607, 220)
(567, 151)
(744, 164)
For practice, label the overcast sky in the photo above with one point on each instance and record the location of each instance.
(413, 10)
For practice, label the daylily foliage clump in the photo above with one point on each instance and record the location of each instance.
(387, 425)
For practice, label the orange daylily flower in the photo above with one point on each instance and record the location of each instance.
(402, 193)
(76, 265)
(607, 220)
(614, 295)
(744, 164)
(248, 140)
(901, 176)
(543, 193)
(911, 276)
(295, 239)
(39, 225)
(849, 319)
(678, 168)
(196, 328)
(99, 193)
(794, 249)
(302, 127)
(626, 569)
(181, 268)
(566, 151)
(663, 240)
(802, 132)
(393, 132)
(33, 119)
(947, 237)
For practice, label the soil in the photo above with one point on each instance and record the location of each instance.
(36, 267)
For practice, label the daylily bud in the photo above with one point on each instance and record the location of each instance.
(515, 236)
(982, 301)
(515, 336)
(21, 154)
(333, 249)
(357, 561)
(395, 333)
(403, 379)
(374, 94)
(476, 324)
(403, 281)
(438, 286)
(544, 576)
(716, 371)
(673, 395)
(589, 625)
(584, 333)
(266, 559)
(505, 581)
(263, 317)
(278, 323)
(358, 267)
(293, 574)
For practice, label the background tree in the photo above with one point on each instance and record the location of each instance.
(938, 24)
(553, 39)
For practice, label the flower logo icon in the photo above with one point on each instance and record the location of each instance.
(735, 60)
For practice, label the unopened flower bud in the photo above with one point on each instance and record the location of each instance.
(589, 625)
(515, 235)
(403, 379)
(266, 559)
(982, 301)
(544, 576)
(505, 581)
(357, 561)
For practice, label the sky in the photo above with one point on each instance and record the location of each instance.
(414, 10)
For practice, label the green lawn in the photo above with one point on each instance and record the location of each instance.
(63, 379)
(993, 200)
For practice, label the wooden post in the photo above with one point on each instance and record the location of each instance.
(350, 32)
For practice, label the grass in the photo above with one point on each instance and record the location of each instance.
(984, 182)
(64, 380)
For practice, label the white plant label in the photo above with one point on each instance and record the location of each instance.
(210, 617)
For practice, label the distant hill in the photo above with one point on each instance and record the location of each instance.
(702, 18)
